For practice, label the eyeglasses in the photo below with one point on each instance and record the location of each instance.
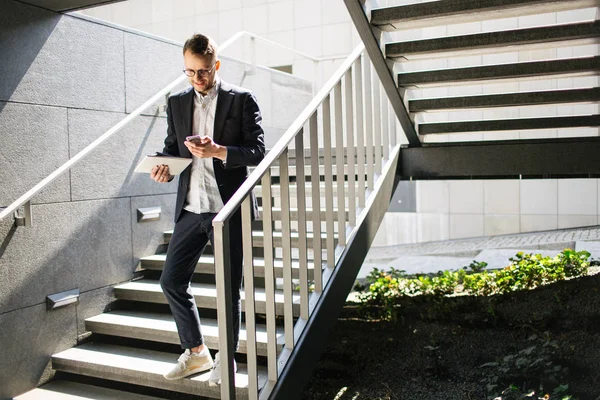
(201, 72)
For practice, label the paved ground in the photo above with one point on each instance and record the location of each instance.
(495, 250)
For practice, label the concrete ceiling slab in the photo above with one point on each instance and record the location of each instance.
(68, 5)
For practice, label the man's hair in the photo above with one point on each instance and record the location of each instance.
(201, 45)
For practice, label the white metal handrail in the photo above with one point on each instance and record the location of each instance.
(338, 101)
(25, 199)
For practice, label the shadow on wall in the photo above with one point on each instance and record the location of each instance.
(21, 42)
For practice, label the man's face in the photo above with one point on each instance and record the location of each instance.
(203, 81)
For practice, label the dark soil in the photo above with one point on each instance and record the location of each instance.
(437, 346)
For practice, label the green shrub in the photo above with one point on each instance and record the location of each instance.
(525, 271)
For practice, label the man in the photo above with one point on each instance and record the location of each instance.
(218, 126)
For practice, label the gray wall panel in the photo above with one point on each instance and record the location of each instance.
(29, 337)
(148, 236)
(260, 84)
(25, 30)
(33, 143)
(150, 65)
(290, 81)
(404, 198)
(292, 98)
(233, 71)
(272, 135)
(108, 171)
(65, 62)
(82, 245)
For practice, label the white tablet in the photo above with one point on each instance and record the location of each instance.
(176, 164)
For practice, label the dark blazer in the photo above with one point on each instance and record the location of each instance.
(237, 126)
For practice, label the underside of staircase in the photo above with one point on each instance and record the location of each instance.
(68, 5)
(474, 83)
(135, 342)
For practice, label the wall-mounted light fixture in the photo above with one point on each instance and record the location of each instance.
(148, 214)
(62, 299)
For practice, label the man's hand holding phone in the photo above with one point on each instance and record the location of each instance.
(205, 147)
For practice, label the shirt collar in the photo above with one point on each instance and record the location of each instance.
(212, 93)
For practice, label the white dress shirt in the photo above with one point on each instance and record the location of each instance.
(203, 192)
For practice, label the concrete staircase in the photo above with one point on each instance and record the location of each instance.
(136, 342)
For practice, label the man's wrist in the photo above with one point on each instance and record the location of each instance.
(222, 153)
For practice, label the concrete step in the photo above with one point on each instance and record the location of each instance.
(206, 265)
(65, 390)
(447, 12)
(149, 291)
(510, 124)
(142, 367)
(258, 239)
(524, 70)
(588, 95)
(554, 36)
(160, 327)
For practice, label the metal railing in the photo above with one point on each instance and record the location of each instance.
(334, 122)
(25, 219)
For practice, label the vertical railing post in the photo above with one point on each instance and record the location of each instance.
(392, 125)
(339, 158)
(224, 307)
(328, 181)
(267, 217)
(360, 132)
(288, 311)
(368, 110)
(315, 180)
(249, 299)
(385, 126)
(376, 120)
(301, 203)
(350, 160)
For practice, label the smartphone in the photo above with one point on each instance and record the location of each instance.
(194, 139)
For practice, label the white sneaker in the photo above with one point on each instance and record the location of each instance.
(190, 363)
(215, 375)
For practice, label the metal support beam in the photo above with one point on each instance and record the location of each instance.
(568, 157)
(361, 22)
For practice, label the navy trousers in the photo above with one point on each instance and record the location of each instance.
(190, 236)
